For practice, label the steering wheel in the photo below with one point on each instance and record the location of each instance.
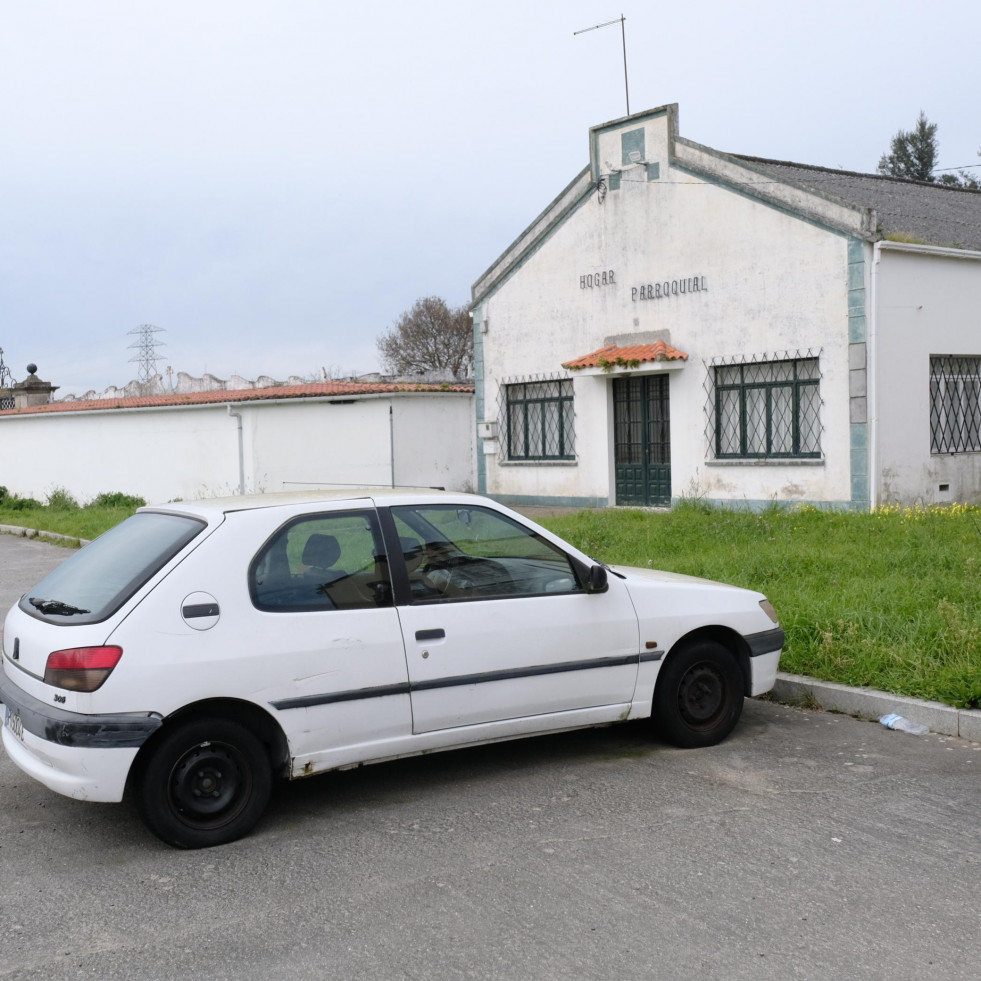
(462, 574)
(443, 572)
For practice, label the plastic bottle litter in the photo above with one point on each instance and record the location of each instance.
(894, 721)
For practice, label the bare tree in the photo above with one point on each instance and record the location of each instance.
(431, 337)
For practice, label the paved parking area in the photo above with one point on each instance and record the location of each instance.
(24, 562)
(808, 845)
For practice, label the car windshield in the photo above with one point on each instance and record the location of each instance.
(97, 580)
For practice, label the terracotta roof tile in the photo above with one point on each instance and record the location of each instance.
(313, 390)
(613, 356)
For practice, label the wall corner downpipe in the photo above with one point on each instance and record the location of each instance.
(237, 416)
(391, 441)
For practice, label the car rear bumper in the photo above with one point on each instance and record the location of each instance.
(85, 774)
(119, 730)
(83, 756)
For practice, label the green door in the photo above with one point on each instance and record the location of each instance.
(642, 440)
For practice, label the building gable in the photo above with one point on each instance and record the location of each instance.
(646, 148)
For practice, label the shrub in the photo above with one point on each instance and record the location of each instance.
(117, 499)
(15, 503)
(61, 500)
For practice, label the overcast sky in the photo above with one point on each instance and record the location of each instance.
(275, 181)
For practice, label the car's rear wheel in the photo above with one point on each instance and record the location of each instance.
(699, 695)
(206, 782)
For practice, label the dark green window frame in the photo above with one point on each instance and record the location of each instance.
(768, 410)
(540, 420)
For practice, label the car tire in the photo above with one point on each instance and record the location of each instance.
(206, 782)
(699, 695)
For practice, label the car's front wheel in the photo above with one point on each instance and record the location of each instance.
(699, 695)
(206, 782)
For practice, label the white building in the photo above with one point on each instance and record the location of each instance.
(205, 444)
(684, 322)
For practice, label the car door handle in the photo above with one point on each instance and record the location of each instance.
(436, 634)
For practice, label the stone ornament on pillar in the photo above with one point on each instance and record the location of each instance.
(32, 390)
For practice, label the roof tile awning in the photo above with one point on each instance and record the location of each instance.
(611, 357)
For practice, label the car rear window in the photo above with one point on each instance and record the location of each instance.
(96, 581)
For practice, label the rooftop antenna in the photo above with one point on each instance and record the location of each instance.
(147, 347)
(621, 20)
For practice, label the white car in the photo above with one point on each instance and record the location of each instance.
(197, 650)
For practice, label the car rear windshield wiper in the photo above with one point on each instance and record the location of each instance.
(55, 607)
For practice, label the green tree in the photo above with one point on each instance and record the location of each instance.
(913, 153)
(961, 179)
(431, 337)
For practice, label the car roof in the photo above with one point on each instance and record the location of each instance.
(214, 506)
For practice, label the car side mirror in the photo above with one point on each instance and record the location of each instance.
(596, 580)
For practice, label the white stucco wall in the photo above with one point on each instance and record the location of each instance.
(166, 453)
(927, 302)
(774, 284)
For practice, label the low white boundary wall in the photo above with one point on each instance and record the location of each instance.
(171, 452)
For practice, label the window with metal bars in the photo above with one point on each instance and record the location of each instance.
(955, 404)
(768, 409)
(540, 422)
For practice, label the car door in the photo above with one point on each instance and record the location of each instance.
(497, 624)
(322, 596)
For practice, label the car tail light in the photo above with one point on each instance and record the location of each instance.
(81, 668)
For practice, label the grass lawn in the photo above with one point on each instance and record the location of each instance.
(88, 522)
(63, 515)
(889, 599)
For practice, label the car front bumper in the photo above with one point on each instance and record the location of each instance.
(764, 658)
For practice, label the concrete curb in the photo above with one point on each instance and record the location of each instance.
(43, 536)
(867, 703)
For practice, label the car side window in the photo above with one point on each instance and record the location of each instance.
(459, 553)
(330, 561)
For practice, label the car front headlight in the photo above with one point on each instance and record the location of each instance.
(767, 607)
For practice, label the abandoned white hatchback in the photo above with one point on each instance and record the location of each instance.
(197, 651)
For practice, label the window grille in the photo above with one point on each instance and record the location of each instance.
(767, 408)
(955, 404)
(538, 419)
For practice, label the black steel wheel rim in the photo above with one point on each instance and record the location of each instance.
(702, 696)
(210, 785)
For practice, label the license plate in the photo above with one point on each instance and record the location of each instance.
(12, 721)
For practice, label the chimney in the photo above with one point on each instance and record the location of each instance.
(32, 391)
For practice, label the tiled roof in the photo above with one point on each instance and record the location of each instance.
(626, 357)
(313, 390)
(934, 214)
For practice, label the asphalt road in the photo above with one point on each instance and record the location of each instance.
(808, 845)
